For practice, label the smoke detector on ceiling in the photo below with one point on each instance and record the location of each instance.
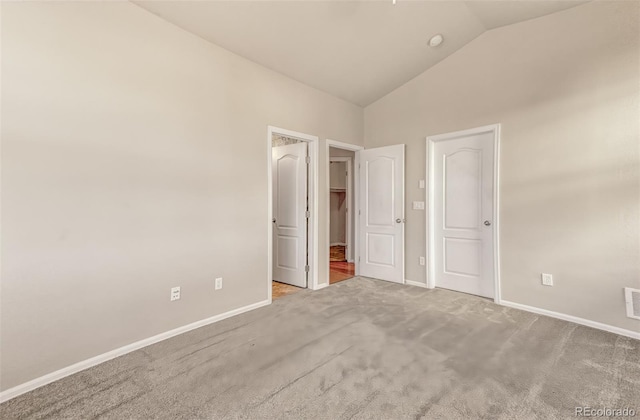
(436, 40)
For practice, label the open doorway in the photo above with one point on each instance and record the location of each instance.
(292, 212)
(342, 217)
(341, 263)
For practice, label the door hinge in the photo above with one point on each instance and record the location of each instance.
(308, 159)
(307, 214)
(358, 259)
(306, 268)
(359, 212)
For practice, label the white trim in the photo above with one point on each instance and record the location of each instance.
(338, 244)
(495, 128)
(404, 213)
(430, 195)
(85, 364)
(356, 209)
(344, 146)
(354, 148)
(496, 213)
(574, 319)
(415, 283)
(312, 240)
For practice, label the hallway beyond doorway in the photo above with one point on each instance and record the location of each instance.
(339, 268)
(339, 271)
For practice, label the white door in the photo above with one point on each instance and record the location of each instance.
(463, 213)
(289, 214)
(381, 218)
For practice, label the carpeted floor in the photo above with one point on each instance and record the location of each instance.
(360, 349)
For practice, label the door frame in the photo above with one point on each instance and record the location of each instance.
(312, 192)
(430, 214)
(349, 193)
(354, 196)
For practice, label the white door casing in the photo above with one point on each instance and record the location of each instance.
(381, 208)
(289, 168)
(462, 211)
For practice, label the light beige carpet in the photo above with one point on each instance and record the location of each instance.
(360, 349)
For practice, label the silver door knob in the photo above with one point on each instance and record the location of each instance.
(398, 220)
(487, 223)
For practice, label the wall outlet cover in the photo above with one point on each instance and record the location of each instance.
(547, 279)
(418, 205)
(422, 262)
(219, 283)
(175, 293)
(632, 301)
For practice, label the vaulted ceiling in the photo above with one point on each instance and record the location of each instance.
(356, 50)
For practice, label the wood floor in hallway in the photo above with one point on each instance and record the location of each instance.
(282, 289)
(339, 271)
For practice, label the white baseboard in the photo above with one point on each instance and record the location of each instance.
(337, 243)
(574, 319)
(415, 283)
(85, 364)
(321, 286)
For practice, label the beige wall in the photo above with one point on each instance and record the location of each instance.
(119, 132)
(566, 90)
(337, 174)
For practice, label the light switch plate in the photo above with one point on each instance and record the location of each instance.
(418, 205)
(421, 183)
(218, 283)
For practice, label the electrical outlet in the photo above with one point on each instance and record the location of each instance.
(418, 205)
(421, 260)
(219, 283)
(421, 184)
(547, 279)
(175, 293)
